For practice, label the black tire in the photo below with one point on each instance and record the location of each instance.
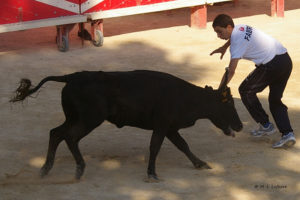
(64, 46)
(99, 39)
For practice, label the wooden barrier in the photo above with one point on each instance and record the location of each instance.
(198, 9)
(277, 8)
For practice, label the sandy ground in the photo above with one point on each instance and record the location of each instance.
(243, 167)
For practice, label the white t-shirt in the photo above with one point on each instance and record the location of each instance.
(252, 44)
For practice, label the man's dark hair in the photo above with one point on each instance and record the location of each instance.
(223, 21)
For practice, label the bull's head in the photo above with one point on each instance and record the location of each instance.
(225, 115)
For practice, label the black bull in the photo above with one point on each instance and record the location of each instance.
(146, 99)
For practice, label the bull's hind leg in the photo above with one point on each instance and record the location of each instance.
(76, 133)
(80, 164)
(56, 136)
(181, 144)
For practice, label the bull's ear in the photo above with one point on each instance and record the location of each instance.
(223, 87)
(224, 93)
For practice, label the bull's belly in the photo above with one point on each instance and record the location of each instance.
(138, 121)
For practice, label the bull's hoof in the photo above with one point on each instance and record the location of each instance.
(79, 171)
(44, 171)
(202, 166)
(78, 176)
(152, 179)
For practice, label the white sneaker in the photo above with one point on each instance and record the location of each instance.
(286, 141)
(261, 130)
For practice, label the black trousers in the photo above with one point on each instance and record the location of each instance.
(274, 74)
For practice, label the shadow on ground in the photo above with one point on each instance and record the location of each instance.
(243, 167)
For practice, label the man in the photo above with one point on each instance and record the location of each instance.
(273, 68)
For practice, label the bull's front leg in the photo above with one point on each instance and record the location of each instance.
(181, 144)
(155, 144)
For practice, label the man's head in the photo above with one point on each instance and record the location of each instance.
(223, 26)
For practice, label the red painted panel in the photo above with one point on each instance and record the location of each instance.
(112, 4)
(12, 11)
(122, 4)
(34, 10)
(9, 11)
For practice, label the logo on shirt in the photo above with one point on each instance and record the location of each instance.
(248, 33)
(242, 29)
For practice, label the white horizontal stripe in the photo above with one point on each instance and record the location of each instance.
(63, 4)
(149, 8)
(42, 23)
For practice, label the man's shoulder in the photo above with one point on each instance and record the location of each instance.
(241, 32)
(238, 32)
(240, 29)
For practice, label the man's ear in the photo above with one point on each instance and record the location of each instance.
(229, 27)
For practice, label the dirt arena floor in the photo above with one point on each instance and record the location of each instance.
(244, 168)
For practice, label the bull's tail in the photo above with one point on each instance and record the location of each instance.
(25, 90)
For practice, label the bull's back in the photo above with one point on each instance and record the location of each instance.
(136, 98)
(149, 83)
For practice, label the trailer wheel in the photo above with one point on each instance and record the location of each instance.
(98, 41)
(64, 46)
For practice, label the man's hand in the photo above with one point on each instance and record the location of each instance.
(231, 71)
(221, 50)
